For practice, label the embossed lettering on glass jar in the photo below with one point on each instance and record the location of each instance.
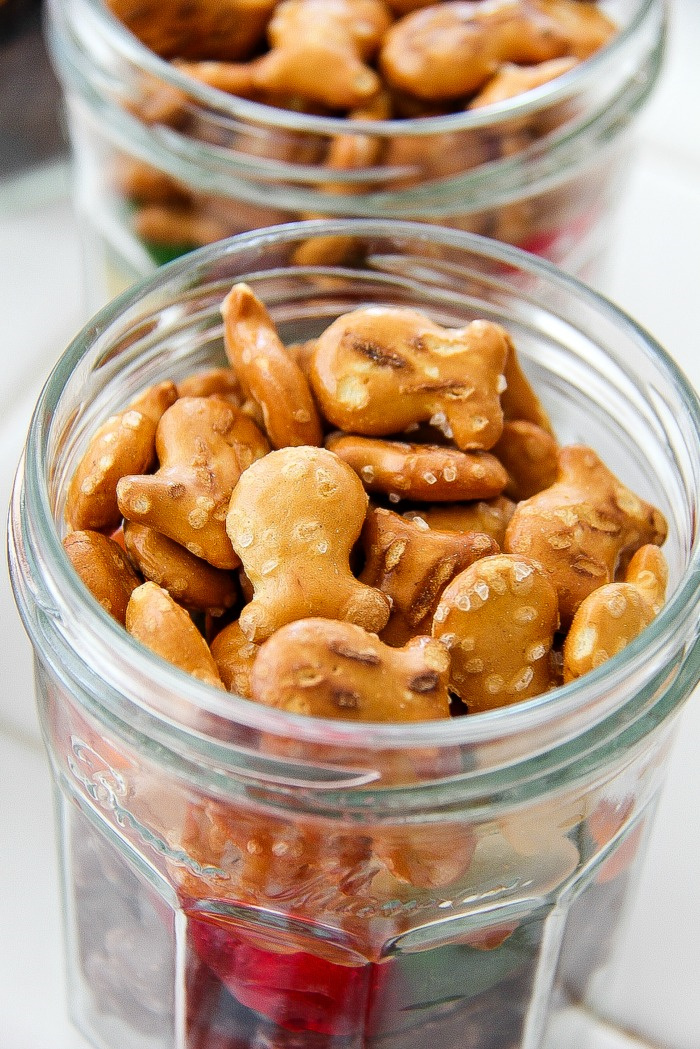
(236, 875)
(165, 163)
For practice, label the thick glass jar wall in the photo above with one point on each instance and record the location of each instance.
(164, 164)
(271, 881)
(229, 924)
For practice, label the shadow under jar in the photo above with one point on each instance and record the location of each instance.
(236, 876)
(166, 163)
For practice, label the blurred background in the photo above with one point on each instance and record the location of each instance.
(30, 107)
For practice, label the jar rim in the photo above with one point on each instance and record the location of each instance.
(591, 697)
(128, 46)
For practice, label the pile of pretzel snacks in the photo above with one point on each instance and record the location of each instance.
(377, 525)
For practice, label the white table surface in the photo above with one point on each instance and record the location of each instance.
(655, 276)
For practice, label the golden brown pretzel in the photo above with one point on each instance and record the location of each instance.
(530, 455)
(267, 373)
(412, 566)
(510, 80)
(203, 444)
(104, 568)
(319, 50)
(586, 26)
(192, 582)
(294, 518)
(489, 516)
(198, 28)
(124, 444)
(612, 615)
(582, 526)
(204, 383)
(428, 472)
(518, 399)
(330, 669)
(157, 621)
(234, 656)
(498, 618)
(426, 856)
(378, 370)
(450, 50)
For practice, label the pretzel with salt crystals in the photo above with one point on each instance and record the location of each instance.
(430, 472)
(498, 618)
(194, 583)
(293, 520)
(104, 569)
(380, 370)
(582, 527)
(124, 444)
(203, 444)
(413, 566)
(234, 656)
(490, 516)
(614, 614)
(155, 619)
(325, 668)
(261, 856)
(290, 519)
(268, 374)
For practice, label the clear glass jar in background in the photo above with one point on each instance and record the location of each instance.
(164, 164)
(238, 876)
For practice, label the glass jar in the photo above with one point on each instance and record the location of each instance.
(164, 164)
(238, 876)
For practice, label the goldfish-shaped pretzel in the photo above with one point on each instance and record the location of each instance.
(582, 527)
(379, 370)
(203, 446)
(293, 520)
